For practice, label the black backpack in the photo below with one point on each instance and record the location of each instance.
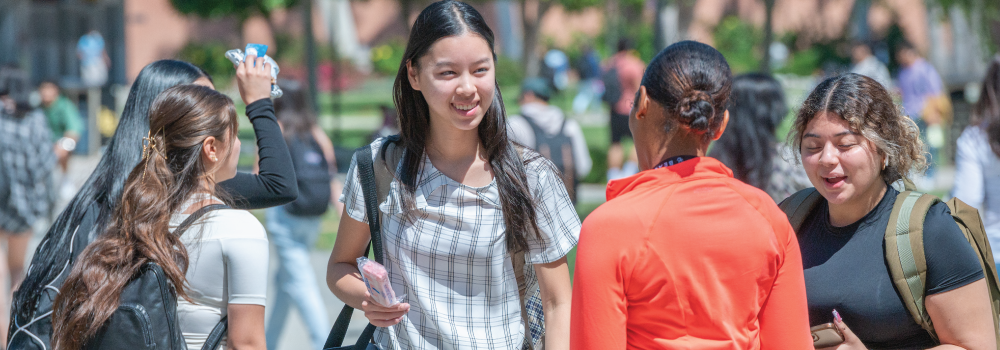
(612, 86)
(147, 310)
(558, 148)
(312, 174)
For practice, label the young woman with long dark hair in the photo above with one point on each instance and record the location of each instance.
(749, 146)
(192, 147)
(463, 198)
(853, 143)
(684, 256)
(977, 158)
(91, 210)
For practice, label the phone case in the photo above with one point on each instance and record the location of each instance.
(826, 335)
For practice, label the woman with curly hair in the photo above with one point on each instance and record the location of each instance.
(854, 143)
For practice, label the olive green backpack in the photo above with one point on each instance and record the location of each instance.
(904, 246)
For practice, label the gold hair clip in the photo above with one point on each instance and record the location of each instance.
(149, 145)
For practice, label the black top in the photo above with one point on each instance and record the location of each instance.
(845, 269)
(275, 185)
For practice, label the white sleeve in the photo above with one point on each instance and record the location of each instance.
(581, 155)
(557, 218)
(969, 177)
(246, 259)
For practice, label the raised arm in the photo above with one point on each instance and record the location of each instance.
(275, 184)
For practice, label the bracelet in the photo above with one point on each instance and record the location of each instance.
(67, 144)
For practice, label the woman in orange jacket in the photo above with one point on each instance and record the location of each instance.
(684, 256)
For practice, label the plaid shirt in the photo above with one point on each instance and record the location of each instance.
(451, 262)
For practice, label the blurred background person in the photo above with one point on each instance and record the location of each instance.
(926, 102)
(590, 87)
(556, 68)
(94, 60)
(66, 126)
(544, 128)
(977, 166)
(293, 227)
(622, 74)
(390, 126)
(865, 63)
(749, 146)
(26, 162)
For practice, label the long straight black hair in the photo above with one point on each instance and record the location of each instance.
(451, 18)
(103, 188)
(756, 107)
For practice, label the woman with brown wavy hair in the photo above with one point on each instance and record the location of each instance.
(192, 146)
(854, 142)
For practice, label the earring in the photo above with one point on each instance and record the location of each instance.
(215, 159)
(885, 163)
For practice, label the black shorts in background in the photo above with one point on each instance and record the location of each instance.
(619, 127)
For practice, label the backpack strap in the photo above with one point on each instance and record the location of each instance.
(220, 330)
(904, 253)
(971, 224)
(799, 205)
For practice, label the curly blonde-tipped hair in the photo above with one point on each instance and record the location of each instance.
(870, 112)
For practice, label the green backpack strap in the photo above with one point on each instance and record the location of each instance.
(971, 224)
(904, 253)
(798, 206)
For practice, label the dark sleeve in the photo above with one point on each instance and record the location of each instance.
(275, 185)
(951, 260)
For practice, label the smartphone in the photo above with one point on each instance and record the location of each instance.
(826, 335)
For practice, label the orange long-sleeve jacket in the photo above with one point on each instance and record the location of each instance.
(687, 257)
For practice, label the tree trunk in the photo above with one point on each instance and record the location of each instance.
(307, 13)
(765, 63)
(531, 28)
(405, 6)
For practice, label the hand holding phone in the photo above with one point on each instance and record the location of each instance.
(826, 335)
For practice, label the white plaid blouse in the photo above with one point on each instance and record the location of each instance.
(452, 262)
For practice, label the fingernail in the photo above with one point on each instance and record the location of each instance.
(836, 316)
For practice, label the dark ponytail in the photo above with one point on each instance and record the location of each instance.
(691, 81)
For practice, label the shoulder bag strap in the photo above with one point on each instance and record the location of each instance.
(799, 205)
(904, 253)
(373, 180)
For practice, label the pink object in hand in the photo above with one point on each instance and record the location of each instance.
(377, 280)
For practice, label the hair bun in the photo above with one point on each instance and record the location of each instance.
(695, 110)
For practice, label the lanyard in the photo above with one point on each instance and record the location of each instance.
(674, 160)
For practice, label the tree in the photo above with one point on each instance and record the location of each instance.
(242, 9)
(986, 13)
(532, 12)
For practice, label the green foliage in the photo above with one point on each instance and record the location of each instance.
(509, 72)
(211, 57)
(387, 57)
(740, 43)
(242, 9)
(579, 5)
